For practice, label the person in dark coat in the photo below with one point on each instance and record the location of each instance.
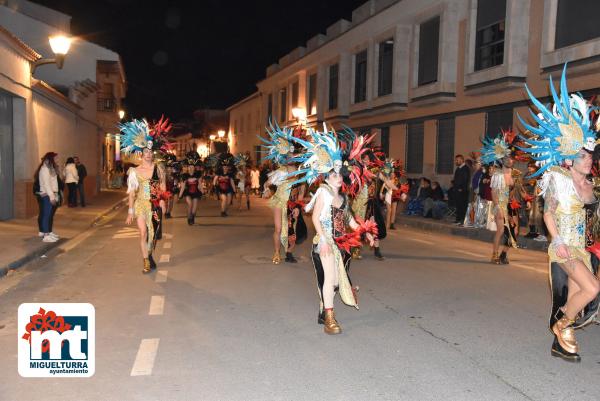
(82, 172)
(462, 175)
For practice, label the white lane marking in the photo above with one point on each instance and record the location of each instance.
(168, 236)
(420, 240)
(477, 255)
(120, 236)
(157, 305)
(525, 267)
(165, 258)
(161, 276)
(144, 360)
(167, 245)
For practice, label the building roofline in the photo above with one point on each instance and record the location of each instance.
(44, 89)
(26, 51)
(244, 100)
(329, 40)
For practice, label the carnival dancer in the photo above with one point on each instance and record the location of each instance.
(279, 149)
(497, 152)
(189, 187)
(375, 206)
(146, 184)
(322, 159)
(171, 176)
(224, 184)
(562, 143)
(242, 164)
(392, 191)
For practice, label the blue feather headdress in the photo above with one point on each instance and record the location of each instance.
(495, 149)
(321, 155)
(279, 146)
(241, 160)
(135, 136)
(561, 132)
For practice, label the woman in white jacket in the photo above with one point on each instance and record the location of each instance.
(47, 176)
(71, 179)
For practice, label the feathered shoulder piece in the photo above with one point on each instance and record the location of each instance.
(278, 146)
(159, 131)
(561, 131)
(556, 181)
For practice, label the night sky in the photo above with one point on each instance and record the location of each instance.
(183, 55)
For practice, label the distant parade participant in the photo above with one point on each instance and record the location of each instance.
(146, 183)
(497, 152)
(323, 159)
(224, 184)
(171, 178)
(242, 164)
(392, 191)
(562, 143)
(189, 185)
(286, 199)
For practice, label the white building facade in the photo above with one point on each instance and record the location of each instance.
(51, 109)
(432, 76)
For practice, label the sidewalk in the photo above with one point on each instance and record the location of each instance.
(19, 237)
(481, 234)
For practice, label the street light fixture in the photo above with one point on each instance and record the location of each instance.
(212, 137)
(121, 114)
(221, 133)
(299, 113)
(60, 45)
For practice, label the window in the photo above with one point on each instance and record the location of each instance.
(414, 148)
(429, 40)
(295, 94)
(497, 120)
(333, 86)
(445, 146)
(312, 94)
(576, 22)
(269, 108)
(489, 37)
(242, 124)
(385, 140)
(360, 77)
(283, 105)
(386, 64)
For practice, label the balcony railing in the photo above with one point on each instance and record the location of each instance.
(107, 104)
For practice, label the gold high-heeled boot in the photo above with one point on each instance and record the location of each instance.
(147, 266)
(331, 326)
(276, 258)
(565, 334)
(495, 258)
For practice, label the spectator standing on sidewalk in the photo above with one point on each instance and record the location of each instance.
(72, 180)
(46, 180)
(461, 188)
(255, 180)
(82, 173)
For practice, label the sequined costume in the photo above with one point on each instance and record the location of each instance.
(501, 189)
(147, 198)
(280, 199)
(335, 222)
(570, 217)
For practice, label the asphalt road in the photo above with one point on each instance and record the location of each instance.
(218, 321)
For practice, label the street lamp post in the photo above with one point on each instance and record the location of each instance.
(60, 47)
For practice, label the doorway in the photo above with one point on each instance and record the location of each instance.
(6, 157)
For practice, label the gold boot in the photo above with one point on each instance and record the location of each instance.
(356, 254)
(331, 325)
(276, 258)
(147, 266)
(565, 334)
(495, 258)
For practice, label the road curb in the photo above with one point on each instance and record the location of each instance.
(37, 253)
(479, 234)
